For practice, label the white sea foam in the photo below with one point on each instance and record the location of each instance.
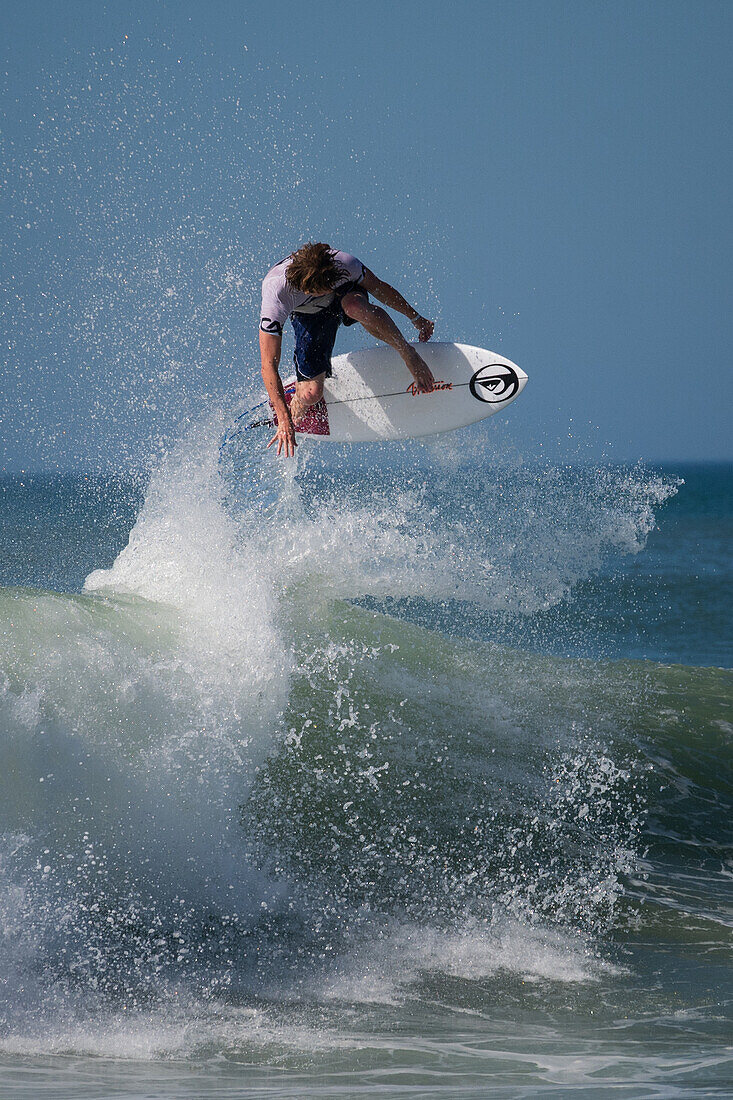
(389, 969)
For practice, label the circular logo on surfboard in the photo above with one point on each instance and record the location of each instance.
(494, 383)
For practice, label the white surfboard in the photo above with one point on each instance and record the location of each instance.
(371, 395)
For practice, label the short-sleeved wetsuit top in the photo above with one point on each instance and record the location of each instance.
(279, 299)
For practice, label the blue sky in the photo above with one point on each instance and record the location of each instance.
(549, 180)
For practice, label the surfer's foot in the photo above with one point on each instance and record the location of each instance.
(307, 394)
(297, 411)
(419, 370)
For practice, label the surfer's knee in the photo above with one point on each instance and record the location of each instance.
(311, 391)
(356, 305)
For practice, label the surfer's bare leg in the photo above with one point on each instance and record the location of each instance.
(378, 323)
(306, 394)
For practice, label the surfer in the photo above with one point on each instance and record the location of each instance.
(320, 288)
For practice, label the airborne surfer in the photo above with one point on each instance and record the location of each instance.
(320, 288)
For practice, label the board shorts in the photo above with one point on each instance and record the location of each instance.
(315, 335)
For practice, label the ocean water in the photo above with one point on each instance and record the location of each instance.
(399, 772)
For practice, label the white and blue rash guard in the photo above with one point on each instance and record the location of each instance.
(279, 299)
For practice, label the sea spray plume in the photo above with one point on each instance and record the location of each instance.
(186, 551)
(516, 540)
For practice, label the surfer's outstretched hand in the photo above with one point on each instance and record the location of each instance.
(285, 438)
(424, 328)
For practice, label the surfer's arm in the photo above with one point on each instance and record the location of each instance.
(392, 298)
(270, 349)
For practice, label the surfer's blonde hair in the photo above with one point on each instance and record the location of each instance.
(313, 267)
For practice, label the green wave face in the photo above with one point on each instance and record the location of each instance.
(406, 771)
